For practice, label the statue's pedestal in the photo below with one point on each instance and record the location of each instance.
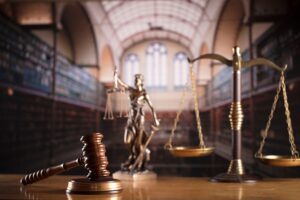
(137, 176)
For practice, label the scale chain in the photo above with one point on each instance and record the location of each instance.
(108, 114)
(295, 153)
(266, 131)
(168, 145)
(281, 86)
(196, 107)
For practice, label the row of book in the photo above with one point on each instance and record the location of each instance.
(26, 61)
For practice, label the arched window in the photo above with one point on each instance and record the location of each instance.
(156, 64)
(131, 68)
(181, 70)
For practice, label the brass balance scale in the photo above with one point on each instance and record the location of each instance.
(235, 172)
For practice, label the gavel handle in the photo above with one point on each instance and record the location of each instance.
(45, 173)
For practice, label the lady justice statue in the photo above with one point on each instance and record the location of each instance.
(135, 135)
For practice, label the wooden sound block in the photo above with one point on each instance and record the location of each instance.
(102, 185)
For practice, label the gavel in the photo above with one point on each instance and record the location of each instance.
(93, 159)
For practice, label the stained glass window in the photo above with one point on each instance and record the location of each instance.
(156, 64)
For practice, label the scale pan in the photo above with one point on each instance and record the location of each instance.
(279, 161)
(182, 151)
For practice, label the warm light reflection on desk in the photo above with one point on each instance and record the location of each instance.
(164, 188)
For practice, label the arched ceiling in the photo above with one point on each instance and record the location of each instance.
(130, 17)
(129, 22)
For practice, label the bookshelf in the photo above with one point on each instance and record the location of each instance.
(26, 62)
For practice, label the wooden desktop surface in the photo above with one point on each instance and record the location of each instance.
(171, 188)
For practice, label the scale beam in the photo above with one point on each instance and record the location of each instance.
(262, 61)
(212, 56)
(244, 64)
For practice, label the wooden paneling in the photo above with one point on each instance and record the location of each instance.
(31, 138)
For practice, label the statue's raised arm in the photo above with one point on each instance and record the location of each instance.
(118, 81)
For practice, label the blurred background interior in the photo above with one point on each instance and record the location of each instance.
(57, 59)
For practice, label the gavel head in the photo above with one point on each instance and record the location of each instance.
(94, 158)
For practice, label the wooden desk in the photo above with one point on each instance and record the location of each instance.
(171, 188)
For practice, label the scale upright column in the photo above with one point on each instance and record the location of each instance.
(235, 172)
(236, 117)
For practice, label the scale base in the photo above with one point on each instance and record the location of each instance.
(85, 186)
(136, 176)
(234, 178)
(235, 174)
